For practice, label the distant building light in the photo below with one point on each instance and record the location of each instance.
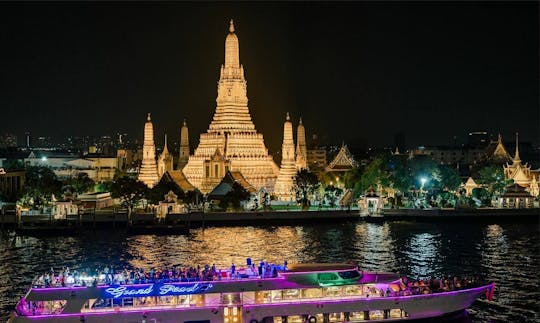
(44, 158)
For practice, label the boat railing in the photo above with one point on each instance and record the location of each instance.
(100, 280)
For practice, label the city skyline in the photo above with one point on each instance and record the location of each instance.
(358, 73)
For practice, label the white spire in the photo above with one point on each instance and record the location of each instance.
(516, 155)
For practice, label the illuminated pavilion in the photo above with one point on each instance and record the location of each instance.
(521, 174)
(231, 142)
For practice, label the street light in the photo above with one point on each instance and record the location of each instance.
(423, 180)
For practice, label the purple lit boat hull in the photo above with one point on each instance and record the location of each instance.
(416, 307)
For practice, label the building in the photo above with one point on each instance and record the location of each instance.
(497, 153)
(148, 171)
(316, 160)
(284, 188)
(478, 139)
(516, 197)
(28, 139)
(452, 155)
(8, 140)
(11, 184)
(97, 200)
(231, 135)
(522, 174)
(343, 162)
(129, 158)
(177, 178)
(226, 185)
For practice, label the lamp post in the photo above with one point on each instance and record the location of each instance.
(423, 181)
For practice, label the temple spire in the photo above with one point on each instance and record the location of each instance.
(184, 146)
(516, 155)
(232, 57)
(148, 171)
(165, 149)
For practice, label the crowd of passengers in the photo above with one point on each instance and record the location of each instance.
(447, 283)
(121, 276)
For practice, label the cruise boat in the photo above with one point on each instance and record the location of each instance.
(297, 294)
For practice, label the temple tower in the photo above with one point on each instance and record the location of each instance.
(184, 146)
(148, 171)
(231, 132)
(284, 188)
(165, 160)
(301, 148)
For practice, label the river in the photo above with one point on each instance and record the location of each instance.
(508, 253)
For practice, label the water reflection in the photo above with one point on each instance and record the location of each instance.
(509, 254)
(423, 251)
(374, 246)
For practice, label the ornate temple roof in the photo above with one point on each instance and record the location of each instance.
(343, 161)
(226, 185)
(496, 152)
(177, 177)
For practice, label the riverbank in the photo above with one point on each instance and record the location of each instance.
(182, 223)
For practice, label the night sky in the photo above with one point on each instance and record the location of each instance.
(356, 72)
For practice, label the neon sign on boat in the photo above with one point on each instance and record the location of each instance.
(154, 290)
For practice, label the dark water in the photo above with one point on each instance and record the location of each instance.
(507, 253)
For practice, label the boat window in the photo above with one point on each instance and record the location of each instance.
(376, 315)
(100, 303)
(356, 316)
(312, 293)
(127, 302)
(291, 293)
(231, 298)
(295, 319)
(145, 301)
(352, 290)
(333, 291)
(167, 300)
(263, 297)
(327, 276)
(45, 307)
(197, 300)
(396, 313)
(351, 274)
(276, 296)
(336, 317)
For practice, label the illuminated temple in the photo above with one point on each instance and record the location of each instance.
(231, 142)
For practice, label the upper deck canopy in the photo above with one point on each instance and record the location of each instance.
(297, 268)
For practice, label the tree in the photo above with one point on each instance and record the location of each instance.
(493, 179)
(482, 195)
(331, 194)
(80, 183)
(130, 191)
(450, 180)
(11, 164)
(40, 184)
(158, 192)
(234, 197)
(306, 184)
(374, 174)
(351, 177)
(104, 186)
